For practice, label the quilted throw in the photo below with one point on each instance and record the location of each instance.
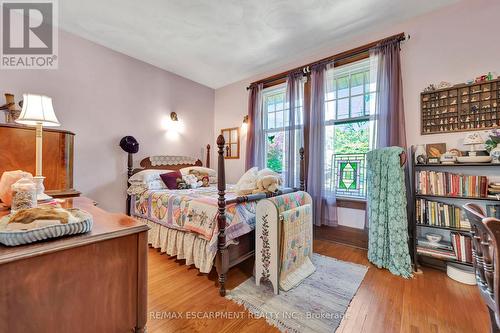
(388, 224)
(194, 210)
(296, 246)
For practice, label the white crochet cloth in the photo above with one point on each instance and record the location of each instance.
(171, 160)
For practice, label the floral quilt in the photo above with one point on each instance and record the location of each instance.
(194, 210)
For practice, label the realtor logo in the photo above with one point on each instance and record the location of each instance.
(29, 34)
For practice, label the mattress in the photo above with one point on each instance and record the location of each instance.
(184, 222)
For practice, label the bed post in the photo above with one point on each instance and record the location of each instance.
(207, 164)
(302, 186)
(222, 259)
(130, 166)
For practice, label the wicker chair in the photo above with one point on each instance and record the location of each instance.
(485, 242)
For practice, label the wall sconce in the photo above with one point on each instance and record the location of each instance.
(173, 116)
(244, 126)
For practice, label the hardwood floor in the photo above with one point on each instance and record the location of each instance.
(431, 302)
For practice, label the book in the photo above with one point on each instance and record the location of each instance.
(436, 253)
(440, 214)
(451, 184)
(462, 246)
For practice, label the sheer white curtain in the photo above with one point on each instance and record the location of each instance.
(293, 127)
(324, 202)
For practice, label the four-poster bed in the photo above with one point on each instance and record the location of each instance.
(229, 251)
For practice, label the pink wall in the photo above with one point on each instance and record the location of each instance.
(102, 95)
(453, 44)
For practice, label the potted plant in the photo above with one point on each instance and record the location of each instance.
(493, 145)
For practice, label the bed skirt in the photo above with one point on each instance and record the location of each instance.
(184, 245)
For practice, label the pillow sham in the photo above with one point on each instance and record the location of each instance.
(210, 172)
(146, 176)
(170, 179)
(247, 182)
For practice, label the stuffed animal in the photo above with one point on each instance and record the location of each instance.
(192, 181)
(181, 184)
(267, 181)
(200, 176)
(206, 181)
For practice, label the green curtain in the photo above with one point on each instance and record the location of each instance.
(388, 223)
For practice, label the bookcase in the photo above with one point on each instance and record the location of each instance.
(438, 210)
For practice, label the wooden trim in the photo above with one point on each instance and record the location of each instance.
(339, 59)
(207, 161)
(142, 282)
(230, 142)
(351, 203)
(30, 128)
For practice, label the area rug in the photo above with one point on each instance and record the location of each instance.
(317, 305)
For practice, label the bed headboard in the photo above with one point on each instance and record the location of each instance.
(172, 162)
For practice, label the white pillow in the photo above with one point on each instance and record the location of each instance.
(146, 176)
(156, 185)
(210, 172)
(247, 182)
(268, 172)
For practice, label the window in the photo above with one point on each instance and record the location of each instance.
(349, 101)
(274, 114)
(350, 96)
(277, 127)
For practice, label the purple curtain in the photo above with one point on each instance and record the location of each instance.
(389, 125)
(254, 147)
(324, 203)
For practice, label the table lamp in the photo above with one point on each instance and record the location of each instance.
(38, 111)
(473, 139)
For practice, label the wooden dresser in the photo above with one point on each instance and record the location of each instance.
(94, 282)
(17, 152)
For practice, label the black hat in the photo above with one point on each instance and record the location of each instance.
(129, 144)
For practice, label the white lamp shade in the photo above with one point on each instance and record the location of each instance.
(37, 109)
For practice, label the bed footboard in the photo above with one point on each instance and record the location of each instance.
(228, 257)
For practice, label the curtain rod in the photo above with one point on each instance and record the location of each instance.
(338, 57)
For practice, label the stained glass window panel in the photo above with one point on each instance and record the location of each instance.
(350, 177)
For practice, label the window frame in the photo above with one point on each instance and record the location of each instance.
(364, 67)
(266, 131)
(279, 83)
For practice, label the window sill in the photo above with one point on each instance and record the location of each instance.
(352, 203)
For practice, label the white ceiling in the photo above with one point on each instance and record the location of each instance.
(219, 42)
